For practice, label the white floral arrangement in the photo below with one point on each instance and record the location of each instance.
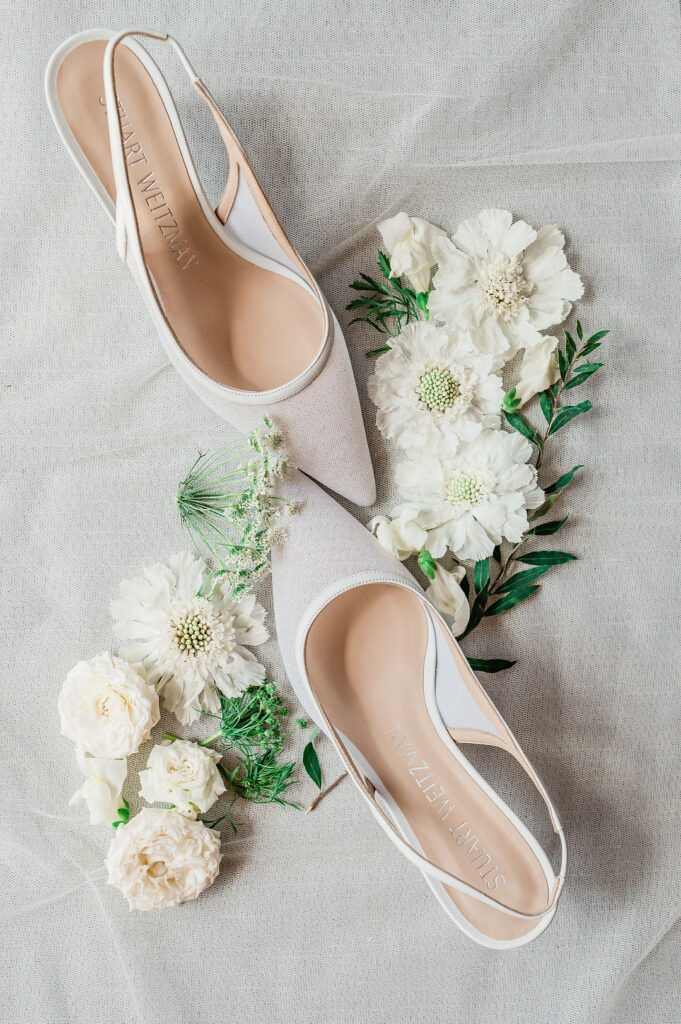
(455, 314)
(187, 630)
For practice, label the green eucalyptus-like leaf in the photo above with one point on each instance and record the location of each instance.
(597, 336)
(546, 403)
(311, 764)
(583, 367)
(581, 377)
(546, 529)
(523, 578)
(524, 428)
(481, 574)
(490, 664)
(546, 558)
(427, 564)
(511, 599)
(477, 610)
(562, 363)
(562, 482)
(570, 347)
(567, 413)
(580, 332)
(545, 507)
(589, 348)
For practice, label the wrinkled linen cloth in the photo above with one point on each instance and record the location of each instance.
(564, 113)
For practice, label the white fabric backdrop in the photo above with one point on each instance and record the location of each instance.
(564, 112)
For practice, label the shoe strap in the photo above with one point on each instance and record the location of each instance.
(368, 792)
(127, 227)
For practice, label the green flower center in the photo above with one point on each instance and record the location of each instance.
(438, 390)
(463, 489)
(192, 634)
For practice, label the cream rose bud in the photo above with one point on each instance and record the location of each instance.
(539, 370)
(107, 708)
(160, 859)
(446, 594)
(184, 774)
(409, 240)
(102, 789)
(401, 536)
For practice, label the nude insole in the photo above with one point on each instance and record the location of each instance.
(244, 326)
(364, 657)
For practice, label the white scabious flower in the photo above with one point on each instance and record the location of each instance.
(472, 500)
(161, 858)
(101, 791)
(434, 388)
(189, 643)
(504, 280)
(107, 707)
(184, 774)
(446, 594)
(409, 240)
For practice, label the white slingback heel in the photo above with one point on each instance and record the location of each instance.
(238, 313)
(377, 668)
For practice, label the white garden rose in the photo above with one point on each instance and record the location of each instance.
(107, 708)
(160, 859)
(409, 240)
(184, 774)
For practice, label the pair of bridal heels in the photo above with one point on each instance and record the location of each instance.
(245, 324)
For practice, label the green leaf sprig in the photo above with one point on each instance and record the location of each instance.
(386, 300)
(572, 374)
(500, 583)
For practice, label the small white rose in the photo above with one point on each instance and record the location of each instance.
(402, 536)
(184, 774)
(102, 789)
(160, 859)
(409, 240)
(539, 370)
(107, 708)
(449, 598)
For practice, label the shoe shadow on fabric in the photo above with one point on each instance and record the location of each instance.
(609, 833)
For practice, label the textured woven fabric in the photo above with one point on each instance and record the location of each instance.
(565, 112)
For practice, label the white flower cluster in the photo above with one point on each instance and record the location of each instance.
(182, 644)
(467, 483)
